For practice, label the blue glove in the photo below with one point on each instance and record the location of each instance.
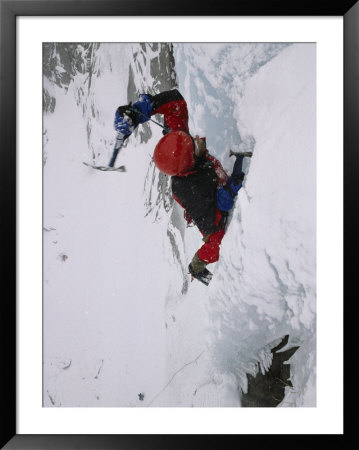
(225, 201)
(227, 194)
(127, 117)
(143, 108)
(123, 123)
(234, 185)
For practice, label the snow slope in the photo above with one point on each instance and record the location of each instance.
(104, 334)
(120, 315)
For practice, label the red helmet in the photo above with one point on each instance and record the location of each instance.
(174, 153)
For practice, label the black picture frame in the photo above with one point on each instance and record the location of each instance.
(9, 10)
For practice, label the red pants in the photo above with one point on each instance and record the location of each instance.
(209, 252)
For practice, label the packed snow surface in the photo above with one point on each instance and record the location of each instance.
(123, 324)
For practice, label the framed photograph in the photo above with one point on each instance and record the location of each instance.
(175, 184)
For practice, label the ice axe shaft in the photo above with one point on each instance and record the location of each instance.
(118, 145)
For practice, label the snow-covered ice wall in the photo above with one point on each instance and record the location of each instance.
(123, 326)
(266, 281)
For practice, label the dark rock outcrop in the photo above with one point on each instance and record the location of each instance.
(268, 390)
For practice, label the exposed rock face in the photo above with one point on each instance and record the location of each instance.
(268, 390)
(61, 62)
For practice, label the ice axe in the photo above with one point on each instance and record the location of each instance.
(118, 145)
(232, 153)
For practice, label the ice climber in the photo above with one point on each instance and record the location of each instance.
(198, 181)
